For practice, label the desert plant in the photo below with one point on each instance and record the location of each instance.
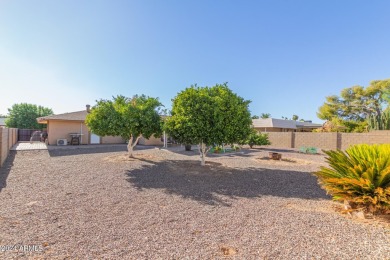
(381, 122)
(360, 176)
(236, 147)
(217, 149)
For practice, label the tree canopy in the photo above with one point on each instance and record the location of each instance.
(126, 117)
(357, 106)
(357, 103)
(209, 116)
(294, 117)
(265, 115)
(25, 116)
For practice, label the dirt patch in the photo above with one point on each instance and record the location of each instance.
(228, 251)
(369, 219)
(383, 219)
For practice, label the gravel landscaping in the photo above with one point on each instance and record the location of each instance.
(95, 203)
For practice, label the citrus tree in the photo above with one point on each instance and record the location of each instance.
(129, 118)
(209, 116)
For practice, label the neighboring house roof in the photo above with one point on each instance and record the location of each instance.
(281, 123)
(73, 116)
(274, 123)
(308, 125)
(2, 121)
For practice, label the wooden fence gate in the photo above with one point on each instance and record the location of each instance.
(25, 134)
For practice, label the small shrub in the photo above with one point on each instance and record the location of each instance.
(217, 149)
(256, 138)
(360, 175)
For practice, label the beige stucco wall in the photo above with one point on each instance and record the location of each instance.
(61, 129)
(112, 140)
(57, 129)
(151, 141)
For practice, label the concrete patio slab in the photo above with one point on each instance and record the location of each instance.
(28, 146)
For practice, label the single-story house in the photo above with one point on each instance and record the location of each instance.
(62, 127)
(307, 126)
(281, 125)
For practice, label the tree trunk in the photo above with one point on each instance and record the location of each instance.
(203, 160)
(203, 151)
(131, 145)
(130, 150)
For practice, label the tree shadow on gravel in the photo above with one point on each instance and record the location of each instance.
(6, 168)
(210, 183)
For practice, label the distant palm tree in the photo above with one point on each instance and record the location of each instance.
(265, 115)
(255, 117)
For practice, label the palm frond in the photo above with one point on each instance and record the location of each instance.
(360, 175)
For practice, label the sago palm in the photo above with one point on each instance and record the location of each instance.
(360, 175)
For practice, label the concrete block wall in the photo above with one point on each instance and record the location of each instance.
(281, 139)
(327, 141)
(374, 137)
(8, 137)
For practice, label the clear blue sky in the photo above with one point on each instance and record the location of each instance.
(285, 56)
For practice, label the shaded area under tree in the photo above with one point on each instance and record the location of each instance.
(209, 184)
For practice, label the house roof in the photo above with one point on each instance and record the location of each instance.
(73, 116)
(281, 123)
(2, 121)
(274, 123)
(307, 125)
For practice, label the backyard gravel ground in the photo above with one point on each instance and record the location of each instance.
(96, 203)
